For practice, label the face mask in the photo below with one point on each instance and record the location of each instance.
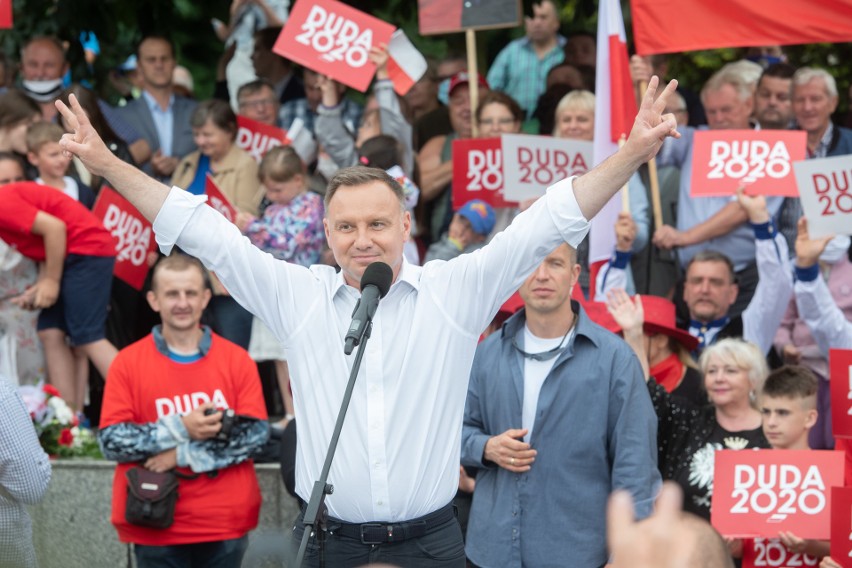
(837, 247)
(444, 91)
(42, 91)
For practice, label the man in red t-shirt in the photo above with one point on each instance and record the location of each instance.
(156, 395)
(76, 255)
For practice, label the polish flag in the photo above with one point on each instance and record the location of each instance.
(6, 14)
(615, 110)
(406, 65)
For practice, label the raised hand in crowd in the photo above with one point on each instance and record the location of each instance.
(625, 232)
(330, 94)
(640, 69)
(630, 316)
(808, 250)
(754, 205)
(509, 451)
(379, 57)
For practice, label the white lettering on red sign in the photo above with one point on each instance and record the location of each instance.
(484, 170)
(545, 166)
(133, 239)
(335, 37)
(770, 552)
(833, 192)
(778, 490)
(748, 160)
(255, 143)
(186, 403)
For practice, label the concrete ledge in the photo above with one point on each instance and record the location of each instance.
(71, 527)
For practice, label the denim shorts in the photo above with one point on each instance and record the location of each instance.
(81, 310)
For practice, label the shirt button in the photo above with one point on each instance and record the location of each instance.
(379, 502)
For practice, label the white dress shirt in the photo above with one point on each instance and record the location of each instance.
(828, 324)
(399, 451)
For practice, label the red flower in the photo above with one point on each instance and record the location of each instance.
(51, 390)
(66, 438)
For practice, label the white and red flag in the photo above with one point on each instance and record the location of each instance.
(615, 110)
(406, 65)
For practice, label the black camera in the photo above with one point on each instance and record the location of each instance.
(229, 419)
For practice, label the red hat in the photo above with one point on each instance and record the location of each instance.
(598, 313)
(462, 78)
(660, 318)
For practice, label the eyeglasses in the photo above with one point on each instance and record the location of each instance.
(544, 355)
(257, 104)
(497, 122)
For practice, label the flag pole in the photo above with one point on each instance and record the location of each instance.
(625, 190)
(652, 174)
(473, 73)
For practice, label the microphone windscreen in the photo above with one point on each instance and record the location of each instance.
(379, 275)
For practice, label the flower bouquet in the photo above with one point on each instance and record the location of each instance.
(56, 425)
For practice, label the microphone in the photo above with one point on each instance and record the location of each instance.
(374, 285)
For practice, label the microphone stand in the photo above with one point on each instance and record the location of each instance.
(316, 512)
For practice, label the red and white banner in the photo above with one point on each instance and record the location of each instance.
(615, 111)
(257, 138)
(840, 374)
(333, 39)
(661, 26)
(764, 552)
(723, 160)
(478, 172)
(5, 14)
(132, 233)
(824, 190)
(841, 526)
(217, 200)
(406, 65)
(758, 493)
(533, 163)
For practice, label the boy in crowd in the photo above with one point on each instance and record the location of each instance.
(468, 231)
(76, 256)
(44, 153)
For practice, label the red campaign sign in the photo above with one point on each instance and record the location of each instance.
(760, 493)
(723, 160)
(478, 172)
(217, 200)
(841, 526)
(6, 14)
(764, 552)
(133, 236)
(257, 138)
(333, 39)
(840, 373)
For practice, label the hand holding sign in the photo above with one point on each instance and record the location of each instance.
(754, 205)
(808, 250)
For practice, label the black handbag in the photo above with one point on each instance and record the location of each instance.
(151, 497)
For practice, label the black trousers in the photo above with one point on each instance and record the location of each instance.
(442, 546)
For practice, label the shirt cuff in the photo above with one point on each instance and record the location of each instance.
(173, 216)
(620, 259)
(764, 231)
(808, 274)
(565, 211)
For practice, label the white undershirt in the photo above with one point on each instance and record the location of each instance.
(535, 372)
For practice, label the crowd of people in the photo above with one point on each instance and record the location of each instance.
(502, 374)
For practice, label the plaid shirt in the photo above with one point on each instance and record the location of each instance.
(24, 475)
(291, 110)
(519, 72)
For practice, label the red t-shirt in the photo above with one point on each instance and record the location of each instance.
(143, 384)
(22, 201)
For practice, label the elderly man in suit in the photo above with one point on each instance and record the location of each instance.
(161, 116)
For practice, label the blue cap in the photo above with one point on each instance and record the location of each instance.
(480, 215)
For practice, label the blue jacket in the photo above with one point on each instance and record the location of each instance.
(841, 141)
(595, 431)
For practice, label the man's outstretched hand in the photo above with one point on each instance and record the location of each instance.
(84, 141)
(651, 126)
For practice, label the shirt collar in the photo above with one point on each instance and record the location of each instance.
(163, 347)
(408, 274)
(153, 105)
(824, 143)
(584, 326)
(718, 323)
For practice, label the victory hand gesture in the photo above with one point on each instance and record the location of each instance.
(651, 126)
(83, 142)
